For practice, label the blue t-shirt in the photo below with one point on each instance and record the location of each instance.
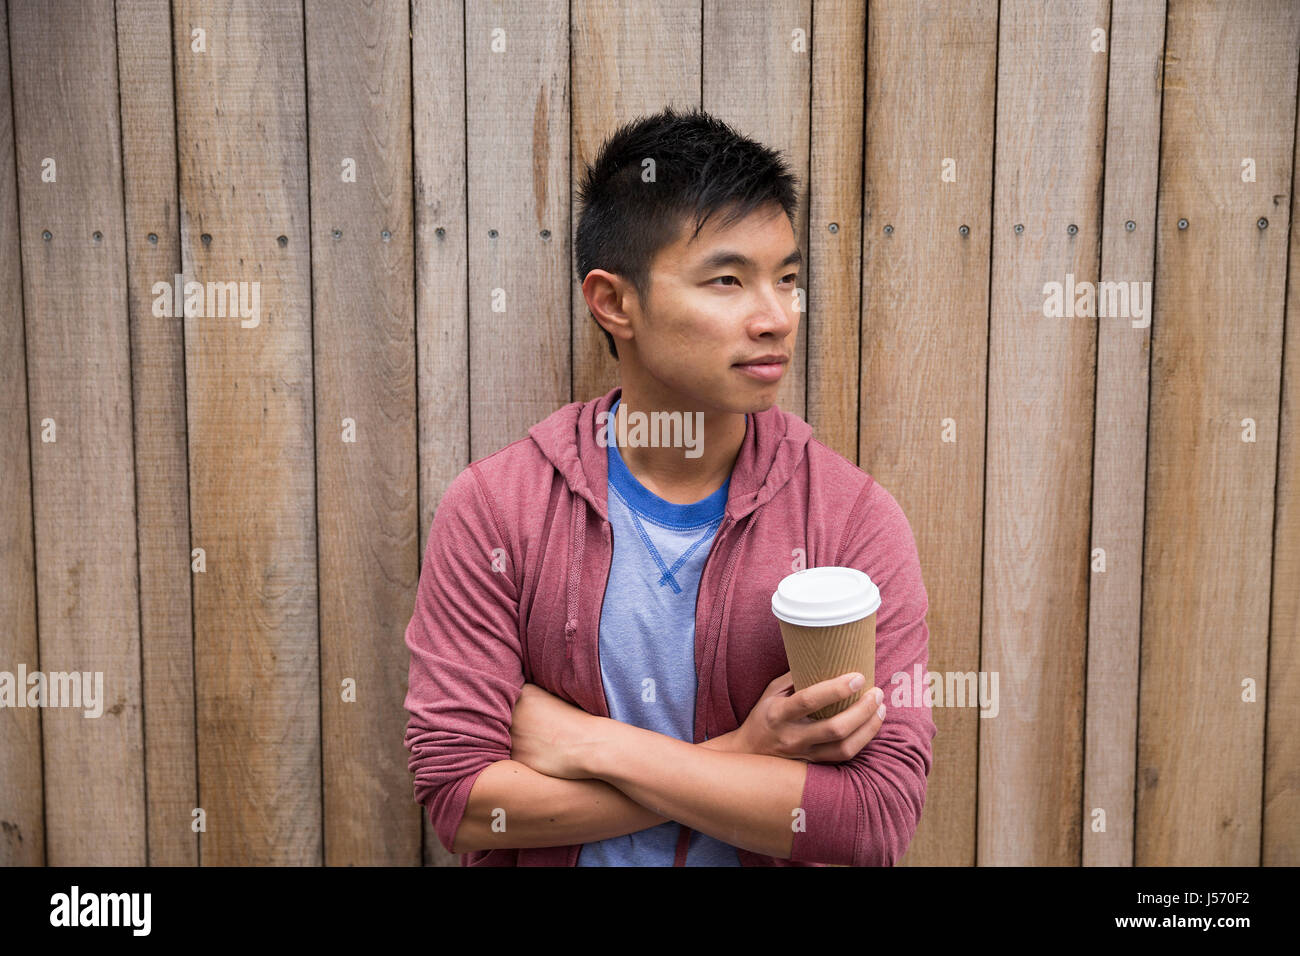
(647, 641)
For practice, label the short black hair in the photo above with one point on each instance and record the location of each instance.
(700, 166)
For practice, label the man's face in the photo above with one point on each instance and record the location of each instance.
(724, 299)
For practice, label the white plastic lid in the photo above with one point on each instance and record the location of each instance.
(824, 597)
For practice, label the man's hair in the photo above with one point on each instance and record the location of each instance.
(654, 173)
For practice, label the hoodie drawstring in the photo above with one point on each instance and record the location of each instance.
(577, 544)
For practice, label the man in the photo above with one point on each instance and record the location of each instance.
(597, 678)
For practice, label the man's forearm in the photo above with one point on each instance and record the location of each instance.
(549, 811)
(746, 800)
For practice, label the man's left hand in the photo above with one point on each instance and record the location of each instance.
(551, 735)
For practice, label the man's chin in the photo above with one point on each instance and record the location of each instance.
(760, 401)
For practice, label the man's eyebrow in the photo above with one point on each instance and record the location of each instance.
(728, 257)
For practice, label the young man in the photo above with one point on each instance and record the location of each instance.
(597, 678)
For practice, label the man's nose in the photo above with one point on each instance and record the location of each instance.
(777, 315)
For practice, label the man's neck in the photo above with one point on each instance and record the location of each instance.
(679, 474)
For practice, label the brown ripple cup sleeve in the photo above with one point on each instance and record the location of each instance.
(828, 623)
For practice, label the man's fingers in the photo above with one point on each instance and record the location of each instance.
(813, 698)
(838, 751)
(866, 733)
(839, 726)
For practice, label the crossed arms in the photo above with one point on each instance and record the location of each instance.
(741, 799)
(576, 778)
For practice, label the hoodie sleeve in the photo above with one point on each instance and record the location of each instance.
(864, 812)
(465, 666)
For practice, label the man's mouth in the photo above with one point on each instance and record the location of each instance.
(765, 368)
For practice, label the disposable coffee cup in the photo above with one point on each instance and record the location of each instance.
(828, 623)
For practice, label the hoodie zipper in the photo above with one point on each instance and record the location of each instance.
(577, 548)
(607, 532)
(684, 835)
(715, 624)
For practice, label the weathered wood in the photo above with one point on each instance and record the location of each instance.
(22, 803)
(1134, 45)
(79, 379)
(517, 146)
(162, 477)
(1281, 836)
(1216, 361)
(241, 119)
(358, 81)
(832, 328)
(928, 172)
(1049, 141)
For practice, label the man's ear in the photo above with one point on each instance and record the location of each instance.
(610, 299)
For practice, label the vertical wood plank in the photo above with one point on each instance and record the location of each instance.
(241, 118)
(22, 805)
(628, 61)
(1135, 43)
(358, 82)
(924, 339)
(442, 328)
(162, 477)
(1281, 836)
(757, 71)
(834, 274)
(1051, 108)
(517, 141)
(64, 72)
(1215, 362)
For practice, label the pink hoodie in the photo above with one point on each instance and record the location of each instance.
(511, 589)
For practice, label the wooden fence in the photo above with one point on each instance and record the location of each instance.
(224, 514)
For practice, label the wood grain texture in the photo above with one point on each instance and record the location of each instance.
(618, 74)
(833, 282)
(1230, 94)
(359, 96)
(924, 337)
(442, 325)
(22, 802)
(757, 74)
(1051, 110)
(1072, 435)
(517, 148)
(79, 378)
(158, 390)
(241, 121)
(1281, 825)
(1135, 44)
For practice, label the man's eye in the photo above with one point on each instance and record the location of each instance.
(792, 277)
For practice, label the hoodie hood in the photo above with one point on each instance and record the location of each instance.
(774, 445)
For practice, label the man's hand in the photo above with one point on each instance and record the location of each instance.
(779, 725)
(549, 734)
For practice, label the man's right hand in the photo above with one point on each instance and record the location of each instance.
(779, 724)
